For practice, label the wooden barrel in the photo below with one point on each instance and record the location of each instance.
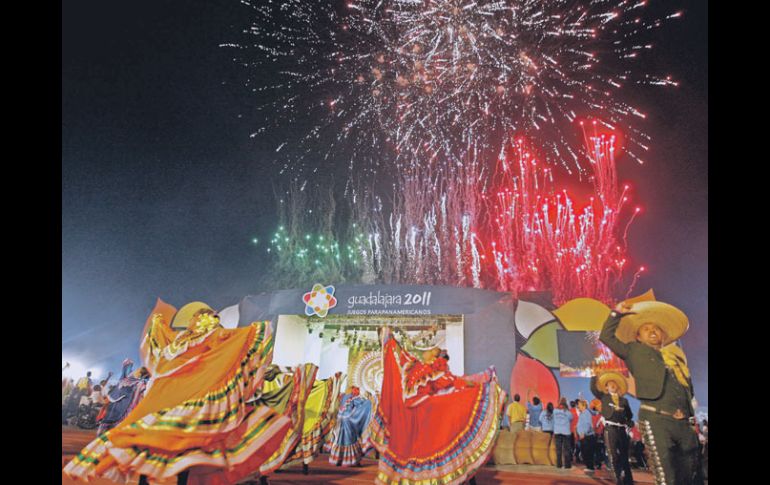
(522, 448)
(552, 451)
(534, 448)
(503, 451)
(541, 446)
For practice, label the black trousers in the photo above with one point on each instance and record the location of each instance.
(638, 450)
(587, 445)
(617, 441)
(563, 450)
(600, 452)
(672, 445)
(575, 447)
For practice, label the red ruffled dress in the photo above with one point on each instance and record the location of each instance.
(432, 427)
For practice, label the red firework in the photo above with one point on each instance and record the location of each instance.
(542, 241)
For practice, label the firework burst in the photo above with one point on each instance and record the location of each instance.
(407, 82)
(508, 230)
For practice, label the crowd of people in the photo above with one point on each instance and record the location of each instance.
(580, 432)
(102, 405)
(604, 432)
(585, 435)
(223, 413)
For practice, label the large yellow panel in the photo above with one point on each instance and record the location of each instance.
(582, 314)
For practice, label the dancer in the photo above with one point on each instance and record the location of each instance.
(641, 334)
(350, 438)
(193, 422)
(289, 400)
(320, 414)
(610, 388)
(123, 397)
(431, 426)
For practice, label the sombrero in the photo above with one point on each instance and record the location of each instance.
(669, 318)
(604, 378)
(185, 314)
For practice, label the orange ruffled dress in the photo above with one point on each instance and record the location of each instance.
(194, 414)
(429, 427)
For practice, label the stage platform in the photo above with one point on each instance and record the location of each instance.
(321, 472)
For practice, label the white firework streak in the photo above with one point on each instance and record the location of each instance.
(394, 83)
(476, 263)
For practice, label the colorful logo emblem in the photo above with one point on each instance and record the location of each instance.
(319, 301)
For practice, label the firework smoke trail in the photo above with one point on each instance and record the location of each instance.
(393, 83)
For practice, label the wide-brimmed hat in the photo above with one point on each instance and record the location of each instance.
(185, 314)
(669, 318)
(618, 378)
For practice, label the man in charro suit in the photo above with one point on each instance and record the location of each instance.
(610, 388)
(641, 335)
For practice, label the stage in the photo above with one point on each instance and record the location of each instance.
(321, 472)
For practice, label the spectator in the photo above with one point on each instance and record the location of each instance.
(573, 428)
(72, 404)
(534, 410)
(517, 414)
(505, 423)
(546, 419)
(84, 384)
(104, 382)
(67, 385)
(586, 435)
(705, 453)
(94, 398)
(562, 418)
(98, 395)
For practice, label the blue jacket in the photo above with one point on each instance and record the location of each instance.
(546, 421)
(562, 419)
(534, 414)
(585, 424)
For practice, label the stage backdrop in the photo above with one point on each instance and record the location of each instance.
(537, 347)
(488, 317)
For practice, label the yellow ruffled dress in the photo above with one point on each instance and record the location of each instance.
(194, 414)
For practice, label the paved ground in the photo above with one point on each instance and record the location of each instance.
(321, 472)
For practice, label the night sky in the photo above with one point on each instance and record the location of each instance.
(163, 190)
